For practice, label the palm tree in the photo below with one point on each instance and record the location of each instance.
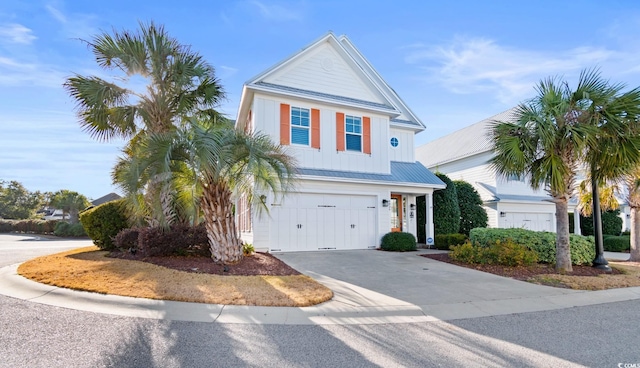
(561, 129)
(545, 144)
(632, 182)
(211, 164)
(179, 85)
(70, 203)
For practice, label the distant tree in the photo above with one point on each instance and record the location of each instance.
(16, 202)
(611, 223)
(446, 212)
(472, 214)
(70, 203)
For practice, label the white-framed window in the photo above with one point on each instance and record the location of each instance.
(353, 130)
(300, 124)
(514, 177)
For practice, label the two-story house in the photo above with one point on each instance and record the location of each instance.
(509, 202)
(353, 138)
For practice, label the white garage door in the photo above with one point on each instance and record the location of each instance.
(306, 222)
(529, 221)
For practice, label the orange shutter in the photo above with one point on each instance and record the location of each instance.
(340, 131)
(366, 134)
(285, 120)
(315, 128)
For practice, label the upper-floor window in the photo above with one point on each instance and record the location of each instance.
(300, 126)
(353, 130)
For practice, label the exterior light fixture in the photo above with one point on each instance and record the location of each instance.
(503, 214)
(412, 206)
(385, 203)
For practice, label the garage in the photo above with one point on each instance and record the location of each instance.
(529, 221)
(311, 222)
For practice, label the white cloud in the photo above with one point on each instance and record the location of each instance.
(16, 33)
(57, 14)
(74, 25)
(276, 12)
(479, 65)
(17, 73)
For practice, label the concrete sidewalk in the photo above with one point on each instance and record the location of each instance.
(369, 288)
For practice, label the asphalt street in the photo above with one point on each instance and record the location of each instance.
(38, 335)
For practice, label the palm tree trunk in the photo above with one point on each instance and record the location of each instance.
(599, 261)
(217, 206)
(73, 216)
(563, 251)
(635, 234)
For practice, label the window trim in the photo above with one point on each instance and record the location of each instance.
(301, 127)
(347, 133)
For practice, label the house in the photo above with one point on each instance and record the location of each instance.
(105, 198)
(509, 202)
(353, 138)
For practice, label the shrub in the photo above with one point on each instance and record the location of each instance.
(542, 242)
(398, 242)
(445, 241)
(506, 253)
(446, 219)
(472, 214)
(617, 243)
(248, 249)
(102, 223)
(178, 240)
(28, 226)
(127, 239)
(65, 229)
(611, 223)
(6, 226)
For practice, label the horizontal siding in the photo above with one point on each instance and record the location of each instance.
(325, 71)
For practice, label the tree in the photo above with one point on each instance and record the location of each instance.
(70, 203)
(211, 164)
(16, 202)
(446, 212)
(472, 214)
(611, 223)
(180, 85)
(632, 182)
(559, 130)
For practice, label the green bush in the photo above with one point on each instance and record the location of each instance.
(6, 226)
(65, 229)
(28, 226)
(617, 243)
(472, 214)
(398, 242)
(611, 223)
(445, 241)
(446, 219)
(542, 242)
(102, 223)
(506, 253)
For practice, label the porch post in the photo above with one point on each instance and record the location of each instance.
(429, 231)
(576, 222)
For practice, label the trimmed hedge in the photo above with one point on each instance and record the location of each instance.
(542, 242)
(505, 253)
(611, 223)
(472, 214)
(398, 242)
(616, 243)
(65, 229)
(28, 226)
(102, 223)
(445, 241)
(178, 240)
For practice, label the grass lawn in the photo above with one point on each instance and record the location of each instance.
(88, 269)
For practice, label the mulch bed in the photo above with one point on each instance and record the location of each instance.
(520, 273)
(258, 264)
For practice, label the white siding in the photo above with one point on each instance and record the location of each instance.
(267, 120)
(405, 150)
(473, 170)
(325, 71)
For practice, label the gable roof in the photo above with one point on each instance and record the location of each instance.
(377, 95)
(106, 198)
(462, 143)
(413, 173)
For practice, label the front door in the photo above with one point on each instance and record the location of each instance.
(396, 212)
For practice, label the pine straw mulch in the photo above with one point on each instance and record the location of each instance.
(270, 283)
(624, 274)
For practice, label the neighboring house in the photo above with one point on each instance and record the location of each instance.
(104, 199)
(353, 138)
(509, 202)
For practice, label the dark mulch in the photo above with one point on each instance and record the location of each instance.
(257, 264)
(520, 273)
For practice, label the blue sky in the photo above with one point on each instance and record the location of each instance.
(454, 63)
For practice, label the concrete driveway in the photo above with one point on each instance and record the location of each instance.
(440, 289)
